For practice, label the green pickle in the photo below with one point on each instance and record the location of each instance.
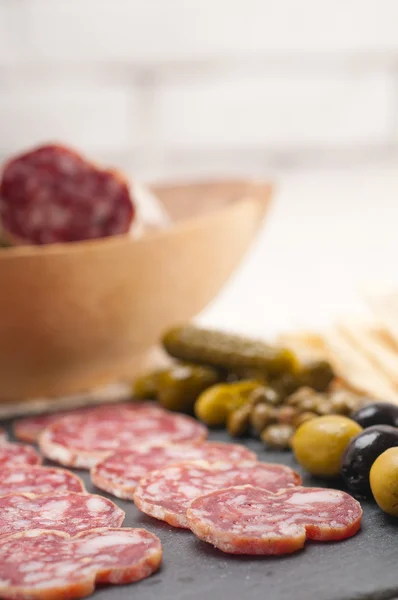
(146, 385)
(227, 351)
(179, 387)
(216, 403)
(317, 375)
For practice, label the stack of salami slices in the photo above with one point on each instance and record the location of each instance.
(73, 540)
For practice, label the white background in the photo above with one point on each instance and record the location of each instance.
(302, 91)
(165, 87)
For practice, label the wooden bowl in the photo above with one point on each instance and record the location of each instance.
(75, 316)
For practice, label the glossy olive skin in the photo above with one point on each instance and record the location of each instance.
(377, 413)
(384, 481)
(360, 455)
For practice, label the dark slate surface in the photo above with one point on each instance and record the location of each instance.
(364, 567)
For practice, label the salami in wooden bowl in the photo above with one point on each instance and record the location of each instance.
(78, 315)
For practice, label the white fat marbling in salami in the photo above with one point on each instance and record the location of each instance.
(81, 441)
(12, 454)
(37, 565)
(250, 520)
(166, 494)
(29, 429)
(68, 511)
(119, 473)
(38, 480)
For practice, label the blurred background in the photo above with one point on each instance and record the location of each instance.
(304, 92)
(185, 86)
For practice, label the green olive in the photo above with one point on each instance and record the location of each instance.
(345, 402)
(285, 385)
(384, 481)
(214, 404)
(278, 436)
(305, 398)
(317, 375)
(319, 443)
(323, 407)
(261, 416)
(238, 421)
(146, 385)
(303, 417)
(266, 395)
(179, 387)
(286, 414)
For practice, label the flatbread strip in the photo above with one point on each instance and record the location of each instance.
(352, 366)
(373, 345)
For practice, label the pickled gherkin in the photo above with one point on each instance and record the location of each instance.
(216, 403)
(179, 386)
(145, 385)
(227, 351)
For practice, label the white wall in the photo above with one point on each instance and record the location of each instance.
(180, 86)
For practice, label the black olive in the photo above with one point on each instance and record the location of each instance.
(377, 413)
(361, 453)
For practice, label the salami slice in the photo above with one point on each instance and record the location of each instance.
(50, 564)
(119, 473)
(166, 494)
(80, 442)
(29, 429)
(38, 480)
(18, 454)
(52, 194)
(67, 512)
(250, 520)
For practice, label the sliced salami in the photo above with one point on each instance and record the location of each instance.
(51, 194)
(81, 442)
(51, 564)
(119, 473)
(166, 494)
(67, 512)
(38, 480)
(29, 429)
(250, 520)
(18, 454)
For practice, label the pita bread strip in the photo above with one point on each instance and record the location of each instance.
(306, 344)
(384, 307)
(357, 370)
(378, 352)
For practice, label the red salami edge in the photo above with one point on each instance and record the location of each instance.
(265, 543)
(32, 457)
(34, 471)
(74, 199)
(117, 574)
(65, 456)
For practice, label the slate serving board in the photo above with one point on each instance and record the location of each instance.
(364, 567)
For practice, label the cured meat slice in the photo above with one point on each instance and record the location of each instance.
(29, 429)
(18, 454)
(38, 480)
(250, 520)
(52, 194)
(37, 565)
(166, 494)
(80, 442)
(67, 512)
(119, 473)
